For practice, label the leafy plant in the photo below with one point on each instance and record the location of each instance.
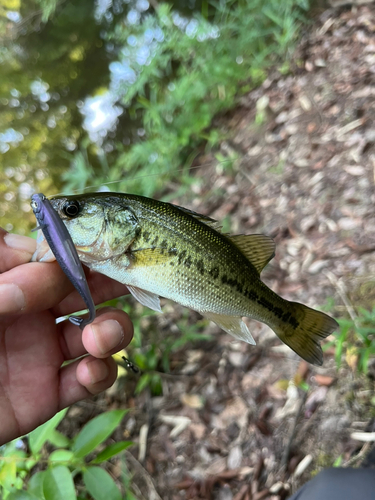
(355, 340)
(196, 68)
(70, 460)
(153, 358)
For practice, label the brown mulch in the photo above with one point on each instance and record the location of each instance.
(238, 422)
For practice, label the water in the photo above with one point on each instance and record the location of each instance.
(64, 96)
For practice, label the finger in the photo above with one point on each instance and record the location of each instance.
(32, 287)
(102, 289)
(85, 377)
(15, 249)
(111, 331)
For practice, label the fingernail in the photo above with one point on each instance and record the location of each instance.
(97, 370)
(108, 335)
(12, 299)
(19, 242)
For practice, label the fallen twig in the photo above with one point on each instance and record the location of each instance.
(341, 290)
(285, 457)
(153, 494)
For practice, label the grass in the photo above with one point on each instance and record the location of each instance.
(355, 340)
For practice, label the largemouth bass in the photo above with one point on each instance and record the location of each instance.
(63, 249)
(160, 249)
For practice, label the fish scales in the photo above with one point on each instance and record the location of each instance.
(157, 248)
(184, 262)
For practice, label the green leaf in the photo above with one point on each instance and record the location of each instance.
(35, 486)
(48, 8)
(59, 440)
(61, 456)
(111, 450)
(96, 431)
(338, 461)
(100, 484)
(8, 475)
(29, 463)
(143, 382)
(58, 484)
(130, 496)
(22, 495)
(41, 434)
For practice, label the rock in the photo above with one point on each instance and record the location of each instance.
(335, 425)
(235, 457)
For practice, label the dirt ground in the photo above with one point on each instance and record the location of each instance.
(248, 423)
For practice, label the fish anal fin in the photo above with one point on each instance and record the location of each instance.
(147, 299)
(232, 325)
(257, 248)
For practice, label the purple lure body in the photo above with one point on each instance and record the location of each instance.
(62, 246)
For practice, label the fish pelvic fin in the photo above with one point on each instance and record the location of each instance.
(147, 299)
(232, 325)
(257, 248)
(304, 336)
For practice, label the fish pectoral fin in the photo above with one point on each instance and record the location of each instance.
(258, 248)
(232, 325)
(147, 299)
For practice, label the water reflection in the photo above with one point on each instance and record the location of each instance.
(9, 138)
(68, 84)
(100, 116)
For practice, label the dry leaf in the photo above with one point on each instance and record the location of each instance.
(192, 401)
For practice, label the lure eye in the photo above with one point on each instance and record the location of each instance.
(71, 208)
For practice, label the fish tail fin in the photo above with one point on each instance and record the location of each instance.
(305, 330)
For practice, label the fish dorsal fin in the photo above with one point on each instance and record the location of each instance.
(214, 224)
(147, 299)
(257, 248)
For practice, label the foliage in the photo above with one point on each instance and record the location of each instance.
(182, 68)
(155, 355)
(355, 340)
(48, 7)
(196, 69)
(21, 474)
(151, 349)
(152, 356)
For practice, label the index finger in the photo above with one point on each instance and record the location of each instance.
(15, 249)
(32, 287)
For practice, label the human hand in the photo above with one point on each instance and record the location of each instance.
(33, 384)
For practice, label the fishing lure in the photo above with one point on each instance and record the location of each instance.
(130, 366)
(61, 244)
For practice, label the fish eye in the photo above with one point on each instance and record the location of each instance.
(71, 208)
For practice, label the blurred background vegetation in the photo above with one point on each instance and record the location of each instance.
(123, 91)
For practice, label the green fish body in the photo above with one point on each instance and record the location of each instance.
(159, 249)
